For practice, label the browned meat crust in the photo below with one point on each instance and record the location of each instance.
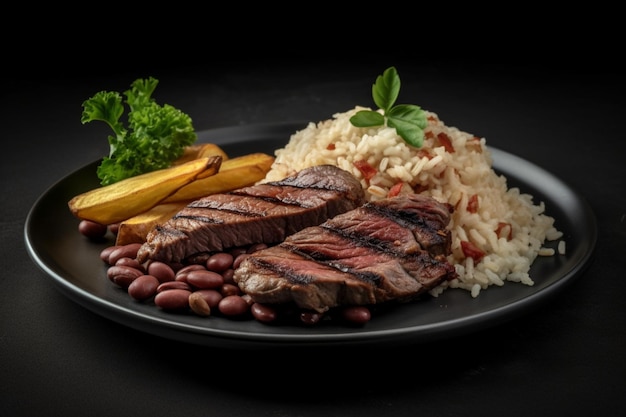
(264, 213)
(393, 249)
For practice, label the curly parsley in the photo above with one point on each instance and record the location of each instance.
(155, 137)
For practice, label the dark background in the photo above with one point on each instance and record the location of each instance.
(555, 100)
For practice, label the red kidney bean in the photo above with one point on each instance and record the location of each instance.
(132, 262)
(263, 313)
(233, 305)
(239, 259)
(198, 305)
(220, 262)
(212, 297)
(172, 299)
(173, 285)
(189, 268)
(114, 228)
(143, 287)
(162, 271)
(228, 276)
(106, 252)
(181, 274)
(92, 230)
(125, 251)
(356, 314)
(203, 279)
(123, 275)
(230, 289)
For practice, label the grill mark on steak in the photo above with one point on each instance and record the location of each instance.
(417, 225)
(263, 213)
(380, 252)
(281, 276)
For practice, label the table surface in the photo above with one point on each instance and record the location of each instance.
(565, 357)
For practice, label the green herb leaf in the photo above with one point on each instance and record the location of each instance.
(386, 89)
(408, 120)
(367, 118)
(105, 106)
(155, 137)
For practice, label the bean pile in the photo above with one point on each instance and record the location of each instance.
(205, 289)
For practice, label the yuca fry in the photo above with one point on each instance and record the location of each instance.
(200, 151)
(135, 229)
(131, 196)
(234, 173)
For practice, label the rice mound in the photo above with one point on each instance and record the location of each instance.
(451, 166)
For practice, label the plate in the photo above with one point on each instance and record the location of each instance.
(73, 263)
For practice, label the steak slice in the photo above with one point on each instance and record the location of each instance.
(414, 222)
(388, 250)
(263, 213)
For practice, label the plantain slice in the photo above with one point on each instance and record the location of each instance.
(131, 196)
(201, 150)
(234, 173)
(135, 229)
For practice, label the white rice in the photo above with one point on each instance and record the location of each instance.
(452, 177)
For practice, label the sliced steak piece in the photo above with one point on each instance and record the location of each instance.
(415, 222)
(263, 213)
(389, 250)
(279, 276)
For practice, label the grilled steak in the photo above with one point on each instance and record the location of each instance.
(392, 249)
(263, 213)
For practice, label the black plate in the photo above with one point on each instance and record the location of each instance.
(73, 263)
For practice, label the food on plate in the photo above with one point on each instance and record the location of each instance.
(131, 196)
(238, 172)
(408, 120)
(264, 213)
(369, 207)
(392, 249)
(497, 231)
(200, 150)
(92, 230)
(135, 229)
(154, 138)
(233, 173)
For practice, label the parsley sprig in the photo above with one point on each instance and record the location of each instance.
(155, 136)
(409, 120)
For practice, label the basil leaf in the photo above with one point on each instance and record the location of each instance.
(367, 118)
(408, 120)
(409, 113)
(385, 91)
(410, 132)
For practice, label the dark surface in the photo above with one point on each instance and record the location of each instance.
(566, 357)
